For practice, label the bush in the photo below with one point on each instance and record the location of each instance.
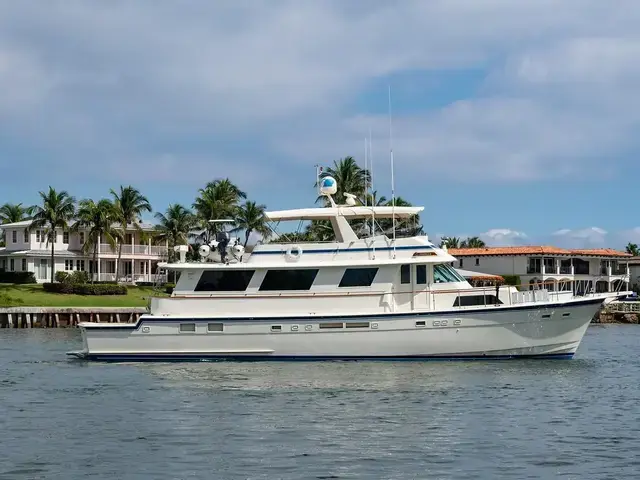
(85, 288)
(168, 288)
(511, 279)
(62, 277)
(79, 276)
(17, 277)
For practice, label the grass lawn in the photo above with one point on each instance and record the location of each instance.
(33, 295)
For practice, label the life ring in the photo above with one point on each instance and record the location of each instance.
(290, 252)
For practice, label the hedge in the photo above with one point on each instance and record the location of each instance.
(17, 277)
(85, 288)
(511, 279)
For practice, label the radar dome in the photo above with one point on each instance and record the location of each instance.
(238, 250)
(328, 186)
(204, 251)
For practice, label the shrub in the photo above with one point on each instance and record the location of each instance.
(168, 288)
(62, 277)
(85, 288)
(79, 276)
(17, 277)
(511, 279)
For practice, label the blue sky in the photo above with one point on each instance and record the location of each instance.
(515, 121)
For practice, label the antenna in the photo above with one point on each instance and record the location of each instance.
(393, 190)
(365, 169)
(373, 200)
(318, 172)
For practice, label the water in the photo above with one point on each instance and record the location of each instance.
(65, 419)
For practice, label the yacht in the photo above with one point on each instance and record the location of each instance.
(361, 296)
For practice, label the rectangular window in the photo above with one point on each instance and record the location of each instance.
(215, 327)
(461, 263)
(297, 279)
(357, 324)
(443, 273)
(81, 234)
(12, 265)
(421, 274)
(65, 237)
(187, 327)
(405, 274)
(476, 300)
(128, 238)
(14, 236)
(26, 235)
(477, 262)
(38, 236)
(80, 265)
(276, 328)
(331, 325)
(358, 277)
(68, 265)
(224, 280)
(24, 264)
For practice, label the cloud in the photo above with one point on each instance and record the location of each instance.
(504, 237)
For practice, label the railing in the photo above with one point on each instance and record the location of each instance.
(620, 270)
(532, 270)
(132, 278)
(153, 250)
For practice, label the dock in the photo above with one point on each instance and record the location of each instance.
(64, 317)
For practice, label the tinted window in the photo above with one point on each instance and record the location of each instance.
(475, 300)
(298, 279)
(224, 280)
(421, 274)
(358, 277)
(444, 274)
(405, 274)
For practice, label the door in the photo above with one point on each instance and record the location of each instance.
(421, 293)
(43, 269)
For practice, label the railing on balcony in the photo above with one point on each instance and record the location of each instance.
(619, 270)
(565, 270)
(133, 278)
(533, 269)
(153, 250)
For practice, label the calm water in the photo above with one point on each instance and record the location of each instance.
(65, 419)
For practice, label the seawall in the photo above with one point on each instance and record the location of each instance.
(61, 317)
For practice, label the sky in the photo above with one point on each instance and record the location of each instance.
(513, 121)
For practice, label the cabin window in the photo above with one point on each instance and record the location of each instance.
(357, 324)
(421, 274)
(476, 300)
(405, 274)
(358, 277)
(444, 274)
(215, 327)
(331, 325)
(297, 279)
(276, 328)
(224, 280)
(187, 327)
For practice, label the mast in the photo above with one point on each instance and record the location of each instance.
(393, 190)
(373, 200)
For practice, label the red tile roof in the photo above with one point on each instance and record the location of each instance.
(536, 250)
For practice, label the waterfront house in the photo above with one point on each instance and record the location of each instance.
(557, 269)
(28, 250)
(634, 272)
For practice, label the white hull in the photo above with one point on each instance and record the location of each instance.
(552, 330)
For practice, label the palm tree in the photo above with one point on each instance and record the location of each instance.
(129, 205)
(473, 242)
(12, 213)
(56, 211)
(632, 248)
(174, 227)
(450, 242)
(350, 177)
(251, 218)
(99, 219)
(216, 201)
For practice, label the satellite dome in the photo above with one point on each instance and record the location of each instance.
(328, 186)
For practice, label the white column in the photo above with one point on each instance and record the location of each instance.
(96, 268)
(149, 248)
(149, 270)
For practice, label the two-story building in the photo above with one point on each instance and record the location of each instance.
(602, 269)
(28, 250)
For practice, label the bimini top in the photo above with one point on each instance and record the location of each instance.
(350, 212)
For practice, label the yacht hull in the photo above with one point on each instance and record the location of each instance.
(552, 330)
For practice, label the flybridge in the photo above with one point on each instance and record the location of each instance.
(352, 213)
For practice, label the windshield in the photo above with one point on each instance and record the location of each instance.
(446, 274)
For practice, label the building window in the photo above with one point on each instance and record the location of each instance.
(358, 277)
(38, 236)
(421, 274)
(26, 235)
(24, 264)
(224, 280)
(461, 263)
(297, 279)
(405, 274)
(80, 265)
(12, 265)
(14, 236)
(128, 238)
(477, 262)
(65, 237)
(68, 265)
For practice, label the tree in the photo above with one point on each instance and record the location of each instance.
(632, 248)
(450, 242)
(12, 213)
(251, 218)
(129, 205)
(174, 227)
(473, 242)
(218, 200)
(350, 177)
(98, 219)
(56, 211)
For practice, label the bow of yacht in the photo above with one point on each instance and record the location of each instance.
(368, 296)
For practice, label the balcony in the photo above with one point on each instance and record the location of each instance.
(136, 250)
(531, 270)
(566, 270)
(133, 278)
(619, 270)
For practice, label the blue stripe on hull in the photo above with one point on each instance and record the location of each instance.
(186, 357)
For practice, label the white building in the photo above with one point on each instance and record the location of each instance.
(634, 272)
(602, 269)
(29, 251)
